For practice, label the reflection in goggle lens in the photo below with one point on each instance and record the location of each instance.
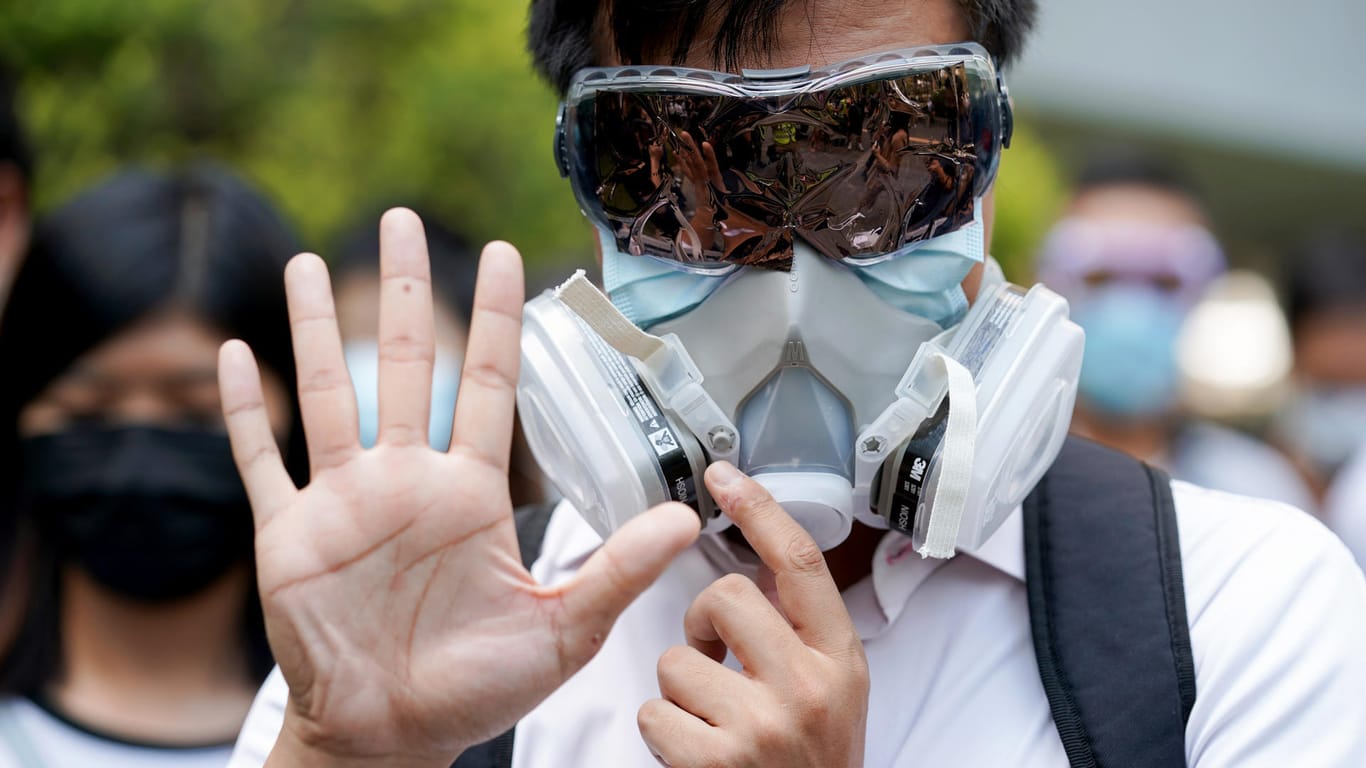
(858, 171)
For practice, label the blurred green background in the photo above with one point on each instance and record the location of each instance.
(337, 108)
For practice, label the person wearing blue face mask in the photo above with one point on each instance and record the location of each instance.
(1323, 425)
(1133, 254)
(357, 279)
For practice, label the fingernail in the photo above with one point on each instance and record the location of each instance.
(723, 473)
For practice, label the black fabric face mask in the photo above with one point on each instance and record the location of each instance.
(153, 514)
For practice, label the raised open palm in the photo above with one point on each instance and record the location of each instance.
(395, 600)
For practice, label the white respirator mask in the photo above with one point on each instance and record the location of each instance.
(842, 405)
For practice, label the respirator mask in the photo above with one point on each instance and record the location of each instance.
(783, 252)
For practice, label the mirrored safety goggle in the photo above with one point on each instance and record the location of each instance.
(712, 170)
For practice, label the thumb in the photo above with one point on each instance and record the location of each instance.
(628, 562)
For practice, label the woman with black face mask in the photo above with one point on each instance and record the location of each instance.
(142, 644)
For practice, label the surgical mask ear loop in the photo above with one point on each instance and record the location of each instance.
(955, 462)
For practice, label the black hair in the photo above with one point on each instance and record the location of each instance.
(564, 36)
(202, 241)
(13, 148)
(1125, 166)
(454, 261)
(1324, 274)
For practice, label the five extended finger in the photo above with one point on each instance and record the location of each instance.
(327, 403)
(806, 591)
(254, 449)
(488, 383)
(406, 341)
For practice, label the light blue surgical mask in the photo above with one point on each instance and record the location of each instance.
(926, 280)
(1326, 424)
(362, 360)
(1129, 369)
(647, 290)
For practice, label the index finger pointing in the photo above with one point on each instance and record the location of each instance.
(806, 591)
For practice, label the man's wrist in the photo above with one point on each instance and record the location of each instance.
(293, 750)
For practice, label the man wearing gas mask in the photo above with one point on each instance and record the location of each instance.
(792, 204)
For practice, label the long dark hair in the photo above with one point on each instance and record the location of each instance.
(200, 240)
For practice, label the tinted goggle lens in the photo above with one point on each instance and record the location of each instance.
(859, 168)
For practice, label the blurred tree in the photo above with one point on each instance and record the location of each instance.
(339, 106)
(333, 106)
(1030, 194)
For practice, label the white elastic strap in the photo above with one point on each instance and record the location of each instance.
(589, 303)
(666, 369)
(955, 463)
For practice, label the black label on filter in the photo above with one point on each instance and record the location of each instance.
(914, 469)
(674, 467)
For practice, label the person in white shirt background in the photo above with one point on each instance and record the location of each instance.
(1345, 505)
(1133, 254)
(406, 631)
(1324, 423)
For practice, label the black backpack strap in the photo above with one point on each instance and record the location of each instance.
(496, 753)
(531, 521)
(1108, 608)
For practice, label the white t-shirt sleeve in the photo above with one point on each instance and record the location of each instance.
(1277, 609)
(262, 726)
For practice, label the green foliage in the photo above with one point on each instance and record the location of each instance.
(1030, 193)
(340, 107)
(335, 108)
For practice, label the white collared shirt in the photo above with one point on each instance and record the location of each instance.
(1276, 605)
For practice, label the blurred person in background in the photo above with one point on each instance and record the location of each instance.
(15, 170)
(1324, 424)
(15, 174)
(1345, 505)
(1133, 254)
(142, 640)
(356, 283)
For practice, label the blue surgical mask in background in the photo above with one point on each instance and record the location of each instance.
(1130, 368)
(362, 360)
(1326, 424)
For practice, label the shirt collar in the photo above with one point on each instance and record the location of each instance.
(1004, 551)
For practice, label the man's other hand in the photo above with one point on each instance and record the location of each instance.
(801, 700)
